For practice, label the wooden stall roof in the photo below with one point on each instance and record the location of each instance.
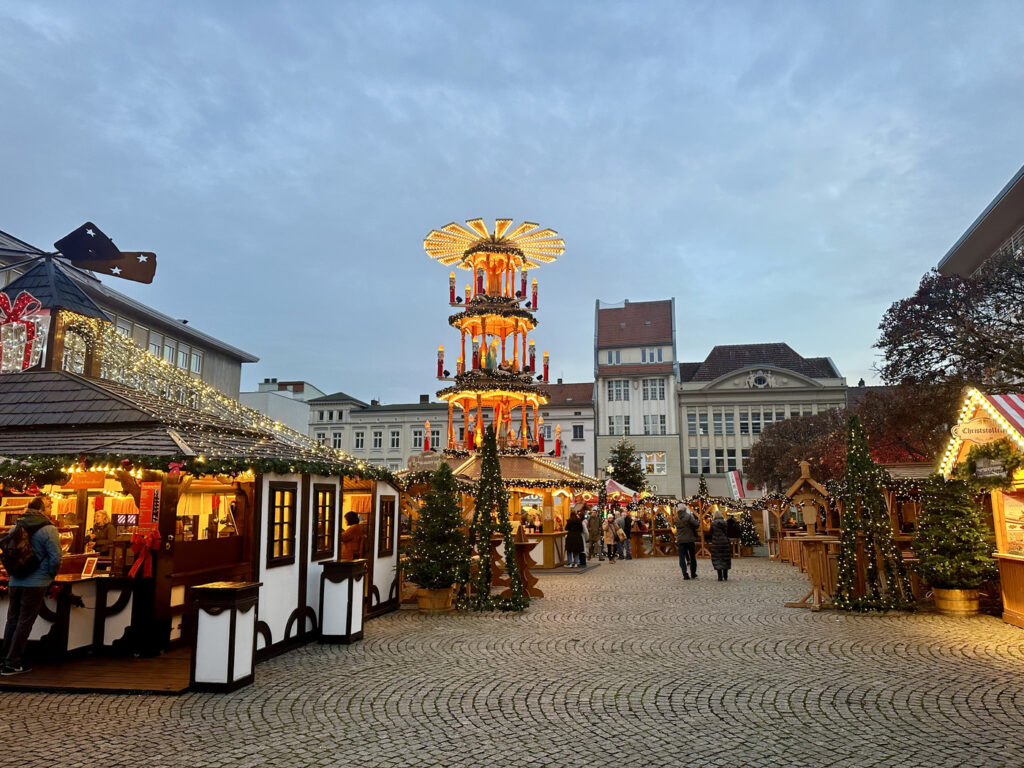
(46, 412)
(518, 470)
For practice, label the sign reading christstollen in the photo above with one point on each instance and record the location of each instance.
(980, 429)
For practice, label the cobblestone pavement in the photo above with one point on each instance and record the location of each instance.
(623, 665)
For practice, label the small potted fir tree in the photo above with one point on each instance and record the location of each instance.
(437, 557)
(953, 555)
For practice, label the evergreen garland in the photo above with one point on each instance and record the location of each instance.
(1001, 451)
(865, 514)
(438, 553)
(491, 515)
(748, 533)
(950, 539)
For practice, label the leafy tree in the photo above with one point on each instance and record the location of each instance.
(627, 469)
(491, 515)
(866, 516)
(904, 423)
(961, 330)
(438, 554)
(950, 538)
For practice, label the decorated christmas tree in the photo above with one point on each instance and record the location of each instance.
(438, 554)
(865, 515)
(490, 516)
(748, 533)
(950, 538)
(626, 467)
(702, 487)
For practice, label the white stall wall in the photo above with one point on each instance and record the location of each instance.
(313, 569)
(384, 568)
(280, 583)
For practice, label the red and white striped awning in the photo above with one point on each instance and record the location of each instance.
(1007, 411)
(1011, 408)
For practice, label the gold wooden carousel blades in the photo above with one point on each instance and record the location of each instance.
(457, 229)
(540, 234)
(501, 227)
(479, 226)
(522, 229)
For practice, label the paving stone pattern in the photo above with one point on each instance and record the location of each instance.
(626, 665)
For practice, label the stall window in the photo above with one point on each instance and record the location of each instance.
(386, 548)
(281, 525)
(325, 510)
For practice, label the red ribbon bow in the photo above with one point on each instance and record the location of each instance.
(142, 546)
(24, 305)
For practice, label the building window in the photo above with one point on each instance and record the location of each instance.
(659, 354)
(378, 439)
(330, 415)
(744, 457)
(694, 461)
(359, 441)
(654, 389)
(197, 362)
(730, 459)
(336, 439)
(417, 439)
(321, 437)
(320, 416)
(618, 389)
(730, 424)
(755, 422)
(618, 425)
(156, 344)
(654, 462)
(780, 414)
(124, 327)
(435, 439)
(183, 357)
(396, 438)
(702, 421)
(691, 422)
(719, 460)
(281, 525)
(716, 420)
(546, 431)
(654, 424)
(169, 351)
(611, 357)
(324, 514)
(705, 461)
(744, 423)
(577, 431)
(386, 528)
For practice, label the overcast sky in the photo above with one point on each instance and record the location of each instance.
(784, 170)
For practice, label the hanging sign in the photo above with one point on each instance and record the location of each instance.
(988, 468)
(735, 484)
(81, 481)
(427, 461)
(980, 430)
(149, 506)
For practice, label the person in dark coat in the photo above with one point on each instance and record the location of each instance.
(687, 527)
(574, 540)
(721, 547)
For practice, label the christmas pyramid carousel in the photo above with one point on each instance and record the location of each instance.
(497, 382)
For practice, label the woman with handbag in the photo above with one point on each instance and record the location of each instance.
(721, 547)
(611, 538)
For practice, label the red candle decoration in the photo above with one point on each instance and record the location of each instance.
(476, 354)
(460, 365)
(440, 362)
(451, 287)
(540, 435)
(426, 436)
(522, 283)
(558, 441)
(469, 439)
(469, 293)
(534, 292)
(533, 357)
(479, 281)
(546, 359)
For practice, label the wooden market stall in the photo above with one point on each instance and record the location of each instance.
(988, 441)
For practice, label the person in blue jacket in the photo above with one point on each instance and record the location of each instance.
(26, 593)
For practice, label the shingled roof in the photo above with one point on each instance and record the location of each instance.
(54, 289)
(47, 412)
(635, 324)
(570, 394)
(725, 359)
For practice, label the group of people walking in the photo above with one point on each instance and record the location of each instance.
(586, 532)
(687, 535)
